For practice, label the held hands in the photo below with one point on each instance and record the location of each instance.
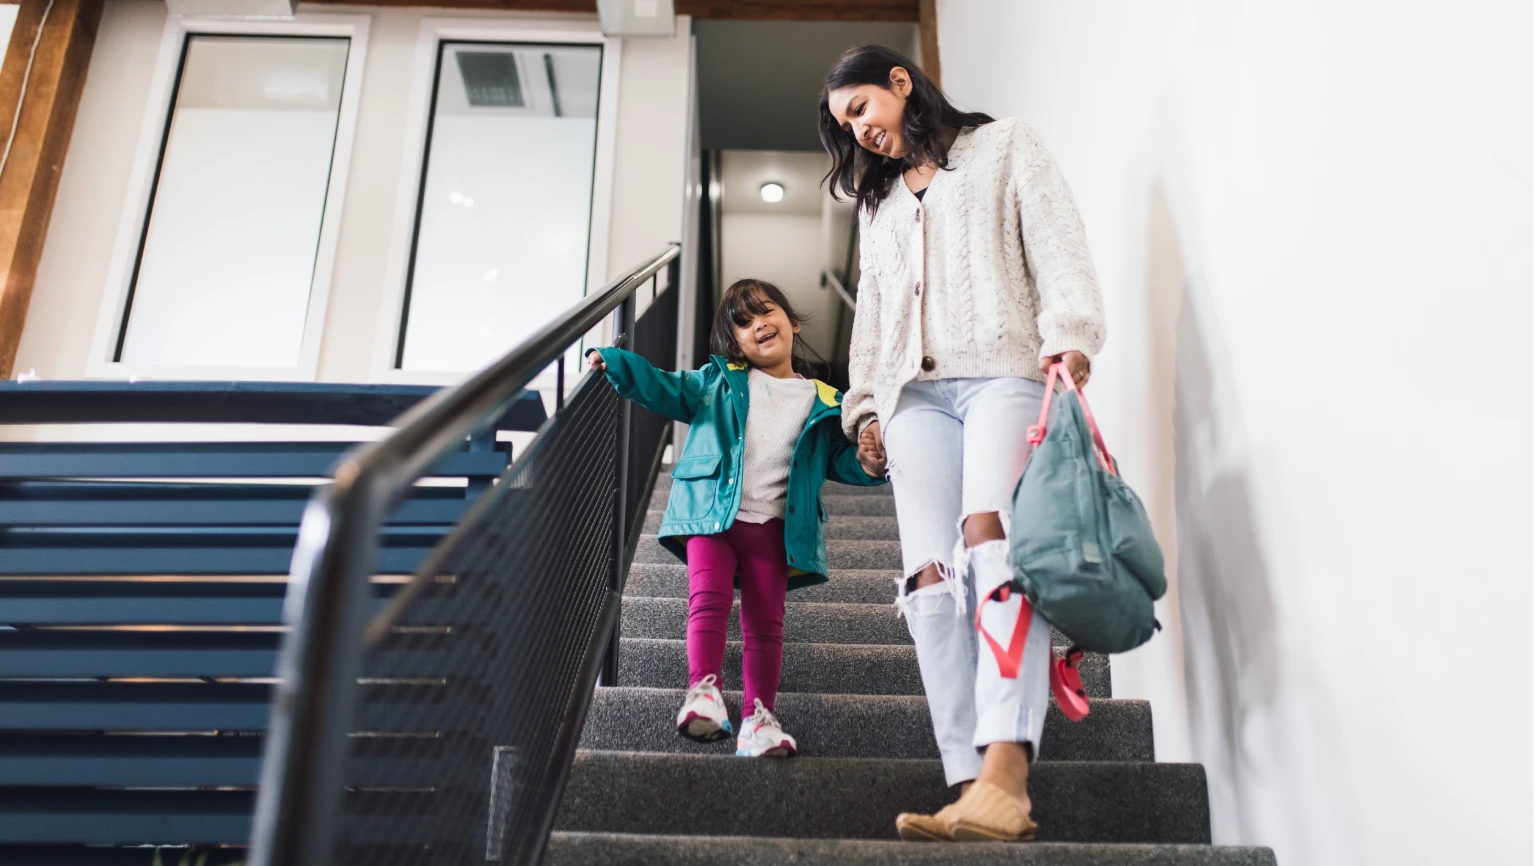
(1079, 366)
(869, 451)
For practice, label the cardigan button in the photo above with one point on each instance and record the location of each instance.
(916, 214)
(916, 289)
(928, 363)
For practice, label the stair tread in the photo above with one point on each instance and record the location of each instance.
(839, 554)
(657, 850)
(814, 667)
(627, 792)
(806, 622)
(857, 726)
(853, 586)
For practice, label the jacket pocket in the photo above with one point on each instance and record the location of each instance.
(698, 467)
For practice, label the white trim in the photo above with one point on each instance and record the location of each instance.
(140, 190)
(424, 73)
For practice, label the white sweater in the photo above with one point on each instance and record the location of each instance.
(778, 408)
(991, 274)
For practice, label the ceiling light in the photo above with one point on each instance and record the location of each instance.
(772, 193)
(456, 197)
(489, 276)
(469, 202)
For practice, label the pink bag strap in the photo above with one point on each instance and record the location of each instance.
(1035, 435)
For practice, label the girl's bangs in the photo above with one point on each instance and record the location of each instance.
(743, 306)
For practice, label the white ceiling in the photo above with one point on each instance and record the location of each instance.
(801, 173)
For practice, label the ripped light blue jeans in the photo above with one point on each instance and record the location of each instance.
(956, 447)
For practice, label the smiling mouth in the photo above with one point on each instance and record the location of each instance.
(768, 338)
(882, 137)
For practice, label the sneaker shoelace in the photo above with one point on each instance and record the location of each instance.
(703, 688)
(762, 716)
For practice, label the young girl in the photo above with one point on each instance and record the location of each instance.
(745, 501)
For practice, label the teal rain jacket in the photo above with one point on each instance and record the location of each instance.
(714, 401)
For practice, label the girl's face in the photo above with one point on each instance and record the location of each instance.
(766, 339)
(875, 114)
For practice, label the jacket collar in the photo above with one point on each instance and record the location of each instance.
(826, 403)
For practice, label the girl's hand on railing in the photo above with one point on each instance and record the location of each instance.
(596, 362)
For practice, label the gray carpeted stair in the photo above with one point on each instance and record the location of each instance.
(851, 693)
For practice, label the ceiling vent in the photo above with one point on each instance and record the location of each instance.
(491, 79)
(231, 8)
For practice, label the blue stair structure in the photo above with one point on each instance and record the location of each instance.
(141, 597)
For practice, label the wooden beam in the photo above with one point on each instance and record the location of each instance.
(44, 117)
(930, 46)
(749, 10)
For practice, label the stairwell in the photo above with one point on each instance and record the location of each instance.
(851, 694)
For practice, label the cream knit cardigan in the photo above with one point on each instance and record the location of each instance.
(989, 275)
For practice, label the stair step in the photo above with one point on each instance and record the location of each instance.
(625, 849)
(634, 792)
(857, 726)
(806, 622)
(848, 586)
(841, 554)
(830, 488)
(820, 668)
(843, 527)
(851, 504)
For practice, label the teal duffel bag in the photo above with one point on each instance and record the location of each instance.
(1082, 547)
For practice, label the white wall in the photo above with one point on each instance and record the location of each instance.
(1312, 224)
(646, 198)
(7, 22)
(784, 250)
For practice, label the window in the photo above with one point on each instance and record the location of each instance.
(507, 195)
(229, 253)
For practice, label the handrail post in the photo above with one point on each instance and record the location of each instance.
(625, 326)
(299, 798)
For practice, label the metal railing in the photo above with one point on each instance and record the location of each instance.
(832, 280)
(515, 663)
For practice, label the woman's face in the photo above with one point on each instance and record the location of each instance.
(875, 114)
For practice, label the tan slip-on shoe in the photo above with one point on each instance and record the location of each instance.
(988, 814)
(914, 827)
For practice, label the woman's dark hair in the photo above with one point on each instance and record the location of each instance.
(743, 301)
(860, 174)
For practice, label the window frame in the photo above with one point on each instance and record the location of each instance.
(145, 173)
(431, 34)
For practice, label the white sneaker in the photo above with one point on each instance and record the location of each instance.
(704, 715)
(762, 736)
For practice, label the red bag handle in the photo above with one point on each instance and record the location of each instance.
(1035, 435)
(1063, 674)
(1009, 660)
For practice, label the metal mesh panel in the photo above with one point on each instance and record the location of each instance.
(465, 709)
(656, 336)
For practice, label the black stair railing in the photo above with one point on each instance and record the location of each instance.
(442, 729)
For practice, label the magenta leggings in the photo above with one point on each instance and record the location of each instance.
(757, 552)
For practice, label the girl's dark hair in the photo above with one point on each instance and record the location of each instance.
(860, 174)
(743, 301)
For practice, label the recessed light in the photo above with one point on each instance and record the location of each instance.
(469, 202)
(772, 193)
(489, 276)
(456, 197)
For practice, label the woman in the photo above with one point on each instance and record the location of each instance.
(975, 278)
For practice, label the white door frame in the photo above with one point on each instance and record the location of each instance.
(136, 203)
(432, 32)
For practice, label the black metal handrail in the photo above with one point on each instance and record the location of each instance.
(327, 603)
